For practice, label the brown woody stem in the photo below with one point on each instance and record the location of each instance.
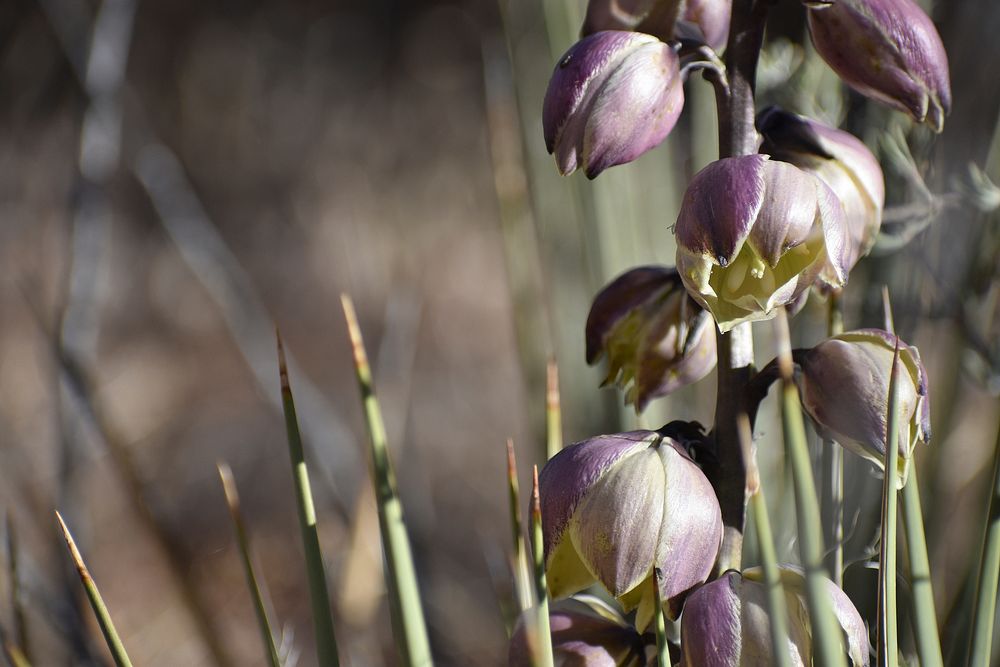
(737, 136)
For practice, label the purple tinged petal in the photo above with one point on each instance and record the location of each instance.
(845, 383)
(582, 635)
(843, 163)
(578, 77)
(665, 363)
(786, 218)
(852, 623)
(836, 237)
(720, 206)
(712, 19)
(611, 528)
(888, 50)
(635, 109)
(711, 632)
(613, 96)
(623, 294)
(571, 473)
(691, 532)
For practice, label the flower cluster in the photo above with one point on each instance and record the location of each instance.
(756, 233)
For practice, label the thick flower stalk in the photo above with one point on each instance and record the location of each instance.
(841, 161)
(617, 506)
(845, 387)
(613, 96)
(888, 50)
(753, 234)
(726, 622)
(656, 338)
(586, 632)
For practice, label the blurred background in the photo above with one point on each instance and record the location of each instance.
(177, 178)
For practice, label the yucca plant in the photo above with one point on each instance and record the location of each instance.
(636, 547)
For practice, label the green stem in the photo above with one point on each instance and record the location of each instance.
(543, 634)
(777, 604)
(319, 598)
(826, 632)
(737, 136)
(522, 579)
(553, 411)
(981, 641)
(660, 624)
(888, 644)
(404, 592)
(924, 614)
(833, 471)
(114, 642)
(243, 542)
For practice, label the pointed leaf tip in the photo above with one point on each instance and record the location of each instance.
(282, 363)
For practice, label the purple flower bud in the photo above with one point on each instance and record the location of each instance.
(704, 20)
(586, 632)
(710, 18)
(845, 390)
(726, 622)
(611, 98)
(656, 337)
(753, 234)
(888, 50)
(616, 506)
(841, 161)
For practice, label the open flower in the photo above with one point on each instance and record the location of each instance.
(586, 632)
(888, 50)
(617, 506)
(845, 390)
(613, 96)
(753, 234)
(726, 622)
(841, 161)
(657, 338)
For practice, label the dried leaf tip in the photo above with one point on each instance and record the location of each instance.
(354, 333)
(282, 363)
(73, 551)
(228, 485)
(511, 462)
(552, 384)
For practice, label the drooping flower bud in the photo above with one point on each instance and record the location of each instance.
(841, 161)
(705, 20)
(586, 632)
(726, 622)
(845, 390)
(656, 337)
(613, 96)
(753, 234)
(888, 50)
(617, 506)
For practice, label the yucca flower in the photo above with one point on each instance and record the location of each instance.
(888, 50)
(840, 160)
(726, 622)
(586, 632)
(845, 390)
(656, 338)
(753, 234)
(613, 96)
(617, 506)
